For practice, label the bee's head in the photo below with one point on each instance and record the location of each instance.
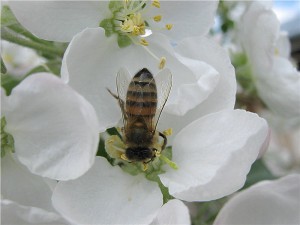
(139, 154)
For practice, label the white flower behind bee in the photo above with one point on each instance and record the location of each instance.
(65, 19)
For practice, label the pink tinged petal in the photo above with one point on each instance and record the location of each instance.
(191, 18)
(267, 202)
(107, 195)
(14, 213)
(59, 21)
(55, 129)
(91, 77)
(172, 213)
(214, 155)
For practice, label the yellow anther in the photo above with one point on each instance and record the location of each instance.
(169, 26)
(276, 51)
(145, 166)
(168, 132)
(162, 62)
(123, 156)
(157, 18)
(144, 42)
(156, 3)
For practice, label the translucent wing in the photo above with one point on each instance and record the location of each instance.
(122, 82)
(164, 84)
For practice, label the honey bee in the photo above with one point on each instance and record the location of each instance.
(142, 100)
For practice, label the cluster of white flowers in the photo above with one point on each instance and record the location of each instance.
(53, 126)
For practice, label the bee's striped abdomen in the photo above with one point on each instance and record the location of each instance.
(141, 99)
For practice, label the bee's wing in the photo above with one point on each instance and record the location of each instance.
(122, 82)
(164, 84)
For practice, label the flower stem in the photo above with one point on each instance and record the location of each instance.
(17, 39)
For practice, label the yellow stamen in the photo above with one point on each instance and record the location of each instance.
(145, 166)
(156, 3)
(276, 51)
(162, 62)
(168, 132)
(123, 156)
(169, 26)
(169, 162)
(157, 18)
(144, 42)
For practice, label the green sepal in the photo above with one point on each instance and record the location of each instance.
(7, 17)
(123, 41)
(115, 6)
(3, 67)
(7, 140)
(108, 26)
(8, 82)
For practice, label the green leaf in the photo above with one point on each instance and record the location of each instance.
(115, 6)
(123, 41)
(108, 26)
(258, 172)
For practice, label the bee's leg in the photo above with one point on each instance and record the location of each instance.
(121, 102)
(165, 140)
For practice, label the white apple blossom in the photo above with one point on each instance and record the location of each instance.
(25, 197)
(276, 79)
(283, 155)
(60, 21)
(53, 127)
(267, 202)
(18, 60)
(214, 145)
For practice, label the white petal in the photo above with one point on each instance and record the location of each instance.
(214, 155)
(59, 21)
(260, 42)
(191, 18)
(172, 213)
(107, 195)
(267, 202)
(19, 185)
(279, 88)
(14, 213)
(221, 97)
(55, 130)
(92, 77)
(26, 198)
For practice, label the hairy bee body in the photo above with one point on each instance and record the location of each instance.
(141, 108)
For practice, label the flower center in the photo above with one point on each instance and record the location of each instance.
(116, 149)
(132, 26)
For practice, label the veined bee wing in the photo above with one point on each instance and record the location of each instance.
(122, 82)
(164, 84)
